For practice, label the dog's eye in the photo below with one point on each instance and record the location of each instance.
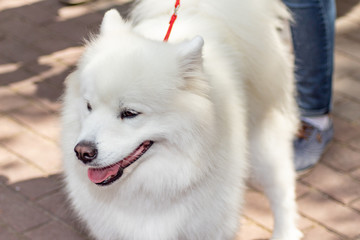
(88, 106)
(128, 113)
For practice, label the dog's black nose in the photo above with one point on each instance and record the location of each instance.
(86, 151)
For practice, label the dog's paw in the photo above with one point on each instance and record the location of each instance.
(294, 234)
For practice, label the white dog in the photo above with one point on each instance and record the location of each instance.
(165, 134)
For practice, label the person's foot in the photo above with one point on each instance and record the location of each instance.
(310, 145)
(74, 2)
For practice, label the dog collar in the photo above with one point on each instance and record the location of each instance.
(172, 20)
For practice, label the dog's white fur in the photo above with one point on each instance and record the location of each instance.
(210, 108)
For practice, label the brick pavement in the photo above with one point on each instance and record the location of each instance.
(40, 41)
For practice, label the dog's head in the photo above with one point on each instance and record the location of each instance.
(137, 108)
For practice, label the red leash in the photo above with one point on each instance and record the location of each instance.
(172, 20)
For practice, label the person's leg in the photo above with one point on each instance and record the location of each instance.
(313, 42)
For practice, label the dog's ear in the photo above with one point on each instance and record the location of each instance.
(112, 21)
(190, 54)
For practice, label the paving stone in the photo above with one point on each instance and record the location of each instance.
(71, 12)
(6, 234)
(331, 214)
(338, 185)
(51, 6)
(58, 205)
(345, 26)
(6, 157)
(13, 73)
(348, 86)
(36, 187)
(37, 14)
(301, 189)
(54, 44)
(353, 14)
(356, 204)
(52, 61)
(344, 66)
(39, 119)
(13, 24)
(35, 69)
(320, 233)
(251, 231)
(69, 56)
(55, 231)
(6, 66)
(6, 5)
(19, 52)
(42, 153)
(257, 208)
(71, 30)
(17, 170)
(122, 6)
(9, 100)
(46, 67)
(52, 104)
(44, 36)
(357, 238)
(9, 130)
(46, 89)
(348, 109)
(356, 74)
(93, 20)
(341, 157)
(348, 46)
(304, 224)
(356, 173)
(30, 92)
(344, 130)
(355, 143)
(344, 7)
(19, 213)
(52, 87)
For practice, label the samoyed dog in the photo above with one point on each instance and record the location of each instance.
(159, 138)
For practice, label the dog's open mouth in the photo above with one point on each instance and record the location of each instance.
(107, 175)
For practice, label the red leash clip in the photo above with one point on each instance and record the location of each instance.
(172, 20)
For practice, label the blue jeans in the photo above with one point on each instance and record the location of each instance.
(313, 41)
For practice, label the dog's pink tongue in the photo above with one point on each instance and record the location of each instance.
(98, 175)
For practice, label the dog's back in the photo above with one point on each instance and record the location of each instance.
(247, 34)
(242, 41)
